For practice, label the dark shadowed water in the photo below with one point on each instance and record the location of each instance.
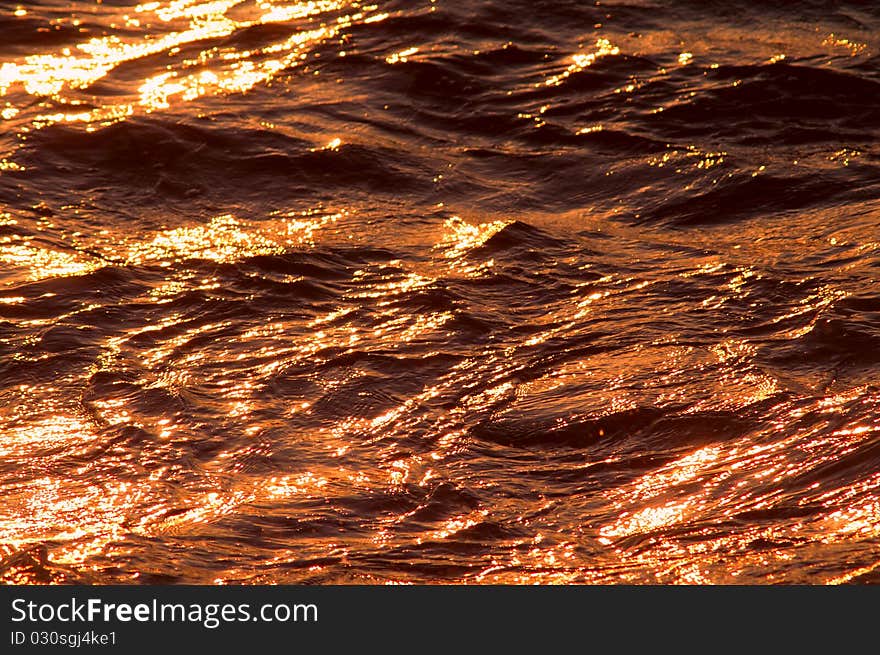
(439, 291)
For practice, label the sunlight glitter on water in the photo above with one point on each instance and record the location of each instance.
(67, 77)
(437, 292)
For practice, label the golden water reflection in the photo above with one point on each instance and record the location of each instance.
(223, 238)
(69, 76)
(670, 517)
(722, 479)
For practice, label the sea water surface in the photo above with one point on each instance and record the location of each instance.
(439, 291)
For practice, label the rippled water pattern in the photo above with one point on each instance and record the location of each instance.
(439, 291)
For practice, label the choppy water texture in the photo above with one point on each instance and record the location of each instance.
(446, 291)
